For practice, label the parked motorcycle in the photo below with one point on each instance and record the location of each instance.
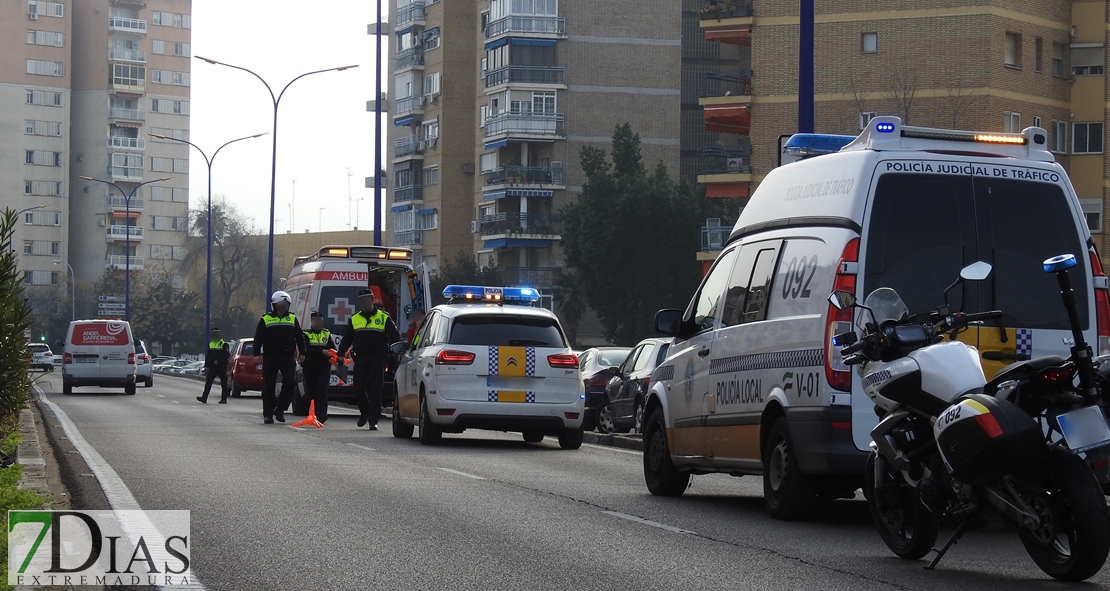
(945, 451)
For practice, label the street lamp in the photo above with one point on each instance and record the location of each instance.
(72, 291)
(208, 268)
(11, 247)
(127, 237)
(273, 165)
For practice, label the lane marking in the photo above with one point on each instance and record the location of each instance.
(115, 490)
(643, 521)
(363, 447)
(616, 449)
(175, 402)
(161, 395)
(457, 473)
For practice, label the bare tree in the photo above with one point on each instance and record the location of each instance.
(959, 99)
(857, 96)
(901, 90)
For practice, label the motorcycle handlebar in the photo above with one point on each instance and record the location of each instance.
(856, 347)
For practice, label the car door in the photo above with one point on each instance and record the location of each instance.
(412, 370)
(616, 390)
(632, 389)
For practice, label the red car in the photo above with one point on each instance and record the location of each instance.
(246, 369)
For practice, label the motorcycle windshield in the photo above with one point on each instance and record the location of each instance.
(885, 304)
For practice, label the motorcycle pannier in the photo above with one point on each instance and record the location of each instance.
(981, 438)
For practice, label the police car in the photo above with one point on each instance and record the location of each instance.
(489, 360)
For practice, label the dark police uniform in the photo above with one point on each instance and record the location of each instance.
(216, 359)
(317, 369)
(277, 339)
(369, 334)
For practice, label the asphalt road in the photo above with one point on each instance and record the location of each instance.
(345, 508)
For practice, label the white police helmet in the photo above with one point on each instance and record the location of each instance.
(281, 296)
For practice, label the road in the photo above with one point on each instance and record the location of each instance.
(344, 508)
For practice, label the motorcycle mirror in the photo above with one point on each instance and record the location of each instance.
(842, 300)
(976, 271)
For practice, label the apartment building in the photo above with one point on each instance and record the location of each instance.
(491, 102)
(984, 65)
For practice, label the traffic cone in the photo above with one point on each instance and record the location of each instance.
(310, 420)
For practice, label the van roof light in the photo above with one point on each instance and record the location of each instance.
(475, 293)
(888, 134)
(815, 144)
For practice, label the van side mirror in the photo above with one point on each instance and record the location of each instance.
(398, 347)
(976, 271)
(668, 322)
(842, 300)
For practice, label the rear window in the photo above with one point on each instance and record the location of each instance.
(506, 331)
(38, 348)
(612, 358)
(924, 228)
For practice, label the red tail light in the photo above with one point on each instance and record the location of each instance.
(449, 357)
(838, 375)
(599, 381)
(989, 424)
(68, 359)
(48, 354)
(131, 359)
(647, 383)
(1056, 375)
(1102, 304)
(563, 360)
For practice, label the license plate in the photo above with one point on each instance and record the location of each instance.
(258, 367)
(85, 359)
(1084, 429)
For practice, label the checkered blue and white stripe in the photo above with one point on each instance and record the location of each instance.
(493, 361)
(530, 361)
(780, 360)
(529, 396)
(491, 396)
(1025, 342)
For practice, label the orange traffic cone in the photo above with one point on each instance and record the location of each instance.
(310, 420)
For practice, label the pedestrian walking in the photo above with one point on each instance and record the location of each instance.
(216, 358)
(369, 333)
(278, 339)
(317, 365)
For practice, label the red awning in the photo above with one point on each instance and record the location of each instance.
(123, 213)
(735, 119)
(735, 35)
(118, 123)
(740, 190)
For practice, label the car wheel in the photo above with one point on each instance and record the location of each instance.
(533, 436)
(150, 382)
(129, 389)
(662, 477)
(570, 438)
(605, 422)
(67, 388)
(401, 429)
(638, 417)
(429, 433)
(787, 492)
(236, 392)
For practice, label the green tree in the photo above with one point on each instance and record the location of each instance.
(570, 303)
(15, 360)
(461, 270)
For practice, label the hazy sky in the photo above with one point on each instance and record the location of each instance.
(323, 125)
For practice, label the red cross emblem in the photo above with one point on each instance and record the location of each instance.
(340, 311)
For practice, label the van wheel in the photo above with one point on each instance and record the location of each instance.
(129, 389)
(787, 492)
(150, 382)
(570, 438)
(236, 392)
(429, 433)
(660, 474)
(67, 388)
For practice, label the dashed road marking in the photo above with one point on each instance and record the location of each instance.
(457, 473)
(175, 402)
(161, 395)
(362, 447)
(616, 449)
(643, 521)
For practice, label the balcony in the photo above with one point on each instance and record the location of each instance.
(409, 238)
(542, 177)
(117, 202)
(408, 193)
(726, 171)
(516, 224)
(121, 232)
(127, 85)
(121, 54)
(538, 277)
(412, 57)
(410, 105)
(735, 84)
(412, 146)
(121, 262)
(713, 238)
(127, 143)
(127, 114)
(716, 10)
(127, 25)
(547, 26)
(410, 15)
(525, 75)
(728, 21)
(124, 173)
(525, 126)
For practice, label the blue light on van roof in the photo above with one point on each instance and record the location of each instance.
(476, 293)
(813, 144)
(1059, 263)
(884, 127)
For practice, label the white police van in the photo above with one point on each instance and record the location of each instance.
(489, 360)
(753, 385)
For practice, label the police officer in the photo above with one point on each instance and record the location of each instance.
(317, 365)
(369, 333)
(215, 364)
(278, 338)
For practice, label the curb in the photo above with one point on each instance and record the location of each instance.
(635, 442)
(29, 455)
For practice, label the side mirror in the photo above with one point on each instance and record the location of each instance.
(398, 347)
(842, 300)
(612, 370)
(668, 322)
(976, 271)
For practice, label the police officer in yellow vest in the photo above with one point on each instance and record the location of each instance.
(317, 365)
(215, 366)
(369, 333)
(278, 338)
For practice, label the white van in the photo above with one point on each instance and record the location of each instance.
(753, 386)
(99, 353)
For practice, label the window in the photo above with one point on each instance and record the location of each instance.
(44, 68)
(159, 222)
(489, 162)
(178, 252)
(41, 277)
(169, 19)
(1038, 54)
(543, 103)
(865, 118)
(53, 9)
(160, 76)
(182, 49)
(1013, 50)
(703, 309)
(44, 188)
(431, 84)
(42, 158)
(869, 42)
(1057, 59)
(1011, 122)
(1092, 212)
(403, 85)
(1088, 61)
(1086, 138)
(431, 176)
(180, 134)
(169, 165)
(1058, 137)
(505, 330)
(45, 38)
(169, 106)
(431, 131)
(46, 128)
(41, 247)
(427, 219)
(431, 39)
(158, 47)
(746, 299)
(44, 97)
(181, 78)
(404, 221)
(42, 218)
(28, 247)
(127, 165)
(127, 75)
(175, 194)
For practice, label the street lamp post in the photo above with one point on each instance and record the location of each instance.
(127, 237)
(11, 247)
(273, 165)
(72, 291)
(208, 234)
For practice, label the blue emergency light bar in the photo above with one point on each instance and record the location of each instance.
(473, 293)
(813, 144)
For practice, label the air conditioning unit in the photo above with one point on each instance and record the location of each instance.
(102, 223)
(33, 16)
(474, 226)
(735, 165)
(713, 222)
(468, 168)
(435, 98)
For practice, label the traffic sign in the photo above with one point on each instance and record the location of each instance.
(104, 305)
(110, 298)
(112, 313)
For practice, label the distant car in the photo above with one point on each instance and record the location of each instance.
(193, 368)
(41, 356)
(597, 366)
(246, 369)
(144, 369)
(99, 353)
(172, 366)
(162, 359)
(626, 393)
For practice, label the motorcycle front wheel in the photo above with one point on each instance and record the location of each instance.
(904, 523)
(1073, 539)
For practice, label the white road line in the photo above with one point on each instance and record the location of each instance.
(616, 449)
(161, 395)
(175, 402)
(643, 521)
(117, 493)
(457, 473)
(363, 447)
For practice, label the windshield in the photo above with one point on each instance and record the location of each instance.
(885, 304)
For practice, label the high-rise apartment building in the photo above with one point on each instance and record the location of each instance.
(491, 102)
